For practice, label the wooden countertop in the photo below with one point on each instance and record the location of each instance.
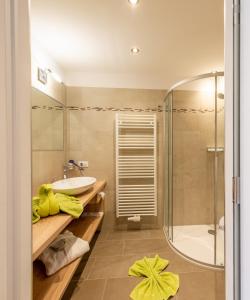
(47, 229)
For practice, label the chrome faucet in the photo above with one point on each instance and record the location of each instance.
(71, 161)
(66, 167)
(70, 165)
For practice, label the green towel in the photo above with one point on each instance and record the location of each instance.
(156, 285)
(47, 204)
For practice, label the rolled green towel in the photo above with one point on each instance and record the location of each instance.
(156, 285)
(47, 204)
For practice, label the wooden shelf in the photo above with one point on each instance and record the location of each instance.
(53, 287)
(47, 229)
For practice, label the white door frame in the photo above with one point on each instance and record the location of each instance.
(245, 149)
(15, 152)
(229, 243)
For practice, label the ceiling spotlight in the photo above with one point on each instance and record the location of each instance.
(135, 50)
(133, 2)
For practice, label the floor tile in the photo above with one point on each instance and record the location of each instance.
(105, 275)
(196, 287)
(145, 246)
(178, 264)
(126, 235)
(132, 234)
(90, 290)
(102, 236)
(220, 285)
(86, 270)
(154, 234)
(120, 288)
(112, 267)
(108, 248)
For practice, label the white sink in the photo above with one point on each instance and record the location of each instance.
(74, 185)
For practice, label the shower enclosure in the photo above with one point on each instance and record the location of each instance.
(194, 168)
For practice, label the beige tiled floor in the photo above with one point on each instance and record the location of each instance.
(105, 274)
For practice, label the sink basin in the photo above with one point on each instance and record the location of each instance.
(74, 185)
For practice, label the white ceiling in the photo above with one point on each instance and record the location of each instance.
(91, 40)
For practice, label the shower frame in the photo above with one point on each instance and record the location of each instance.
(168, 199)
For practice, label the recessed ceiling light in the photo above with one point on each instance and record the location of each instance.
(135, 50)
(133, 2)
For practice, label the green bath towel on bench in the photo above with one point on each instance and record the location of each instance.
(47, 204)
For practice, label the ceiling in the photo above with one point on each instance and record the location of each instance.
(91, 40)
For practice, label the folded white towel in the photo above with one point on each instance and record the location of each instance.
(65, 248)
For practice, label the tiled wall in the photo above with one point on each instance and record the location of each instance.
(47, 165)
(91, 136)
(47, 122)
(193, 165)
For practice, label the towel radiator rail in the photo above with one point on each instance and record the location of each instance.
(136, 165)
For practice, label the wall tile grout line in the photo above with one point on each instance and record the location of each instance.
(123, 248)
(104, 290)
(91, 268)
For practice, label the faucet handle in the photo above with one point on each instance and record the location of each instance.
(73, 163)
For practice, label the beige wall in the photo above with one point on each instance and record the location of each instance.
(90, 134)
(47, 122)
(91, 137)
(52, 88)
(47, 165)
(193, 165)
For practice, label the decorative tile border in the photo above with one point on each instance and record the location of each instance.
(124, 109)
(159, 109)
(45, 107)
(194, 111)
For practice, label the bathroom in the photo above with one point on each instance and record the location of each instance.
(131, 151)
(109, 104)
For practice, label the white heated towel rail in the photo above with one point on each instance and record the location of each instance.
(136, 165)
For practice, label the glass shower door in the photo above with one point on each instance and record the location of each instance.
(168, 166)
(194, 168)
(220, 190)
